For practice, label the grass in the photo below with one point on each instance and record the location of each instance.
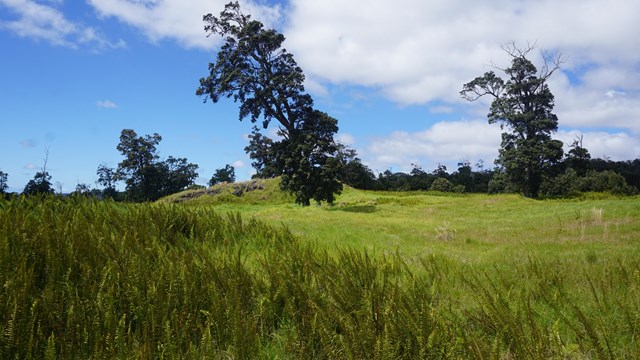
(378, 275)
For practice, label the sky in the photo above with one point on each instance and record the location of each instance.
(73, 74)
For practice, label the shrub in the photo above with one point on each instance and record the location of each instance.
(441, 184)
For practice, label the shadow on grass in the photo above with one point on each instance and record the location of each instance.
(366, 209)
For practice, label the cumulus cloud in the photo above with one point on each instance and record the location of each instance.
(179, 20)
(415, 52)
(45, 22)
(444, 142)
(30, 166)
(107, 104)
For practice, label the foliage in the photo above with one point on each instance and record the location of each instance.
(146, 177)
(76, 284)
(441, 184)
(262, 152)
(3, 182)
(523, 104)
(226, 174)
(307, 159)
(107, 178)
(254, 69)
(352, 171)
(40, 184)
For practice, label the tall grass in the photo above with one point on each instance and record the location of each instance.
(86, 279)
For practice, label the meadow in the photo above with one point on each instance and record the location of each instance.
(236, 274)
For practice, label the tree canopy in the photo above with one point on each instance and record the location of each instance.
(146, 177)
(255, 70)
(226, 174)
(523, 104)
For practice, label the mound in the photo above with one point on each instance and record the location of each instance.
(254, 191)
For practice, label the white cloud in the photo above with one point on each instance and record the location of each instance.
(415, 52)
(179, 20)
(346, 139)
(45, 22)
(616, 146)
(238, 164)
(107, 104)
(444, 142)
(30, 166)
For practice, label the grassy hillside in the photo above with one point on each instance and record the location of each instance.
(378, 275)
(470, 228)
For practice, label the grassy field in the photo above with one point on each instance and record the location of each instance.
(239, 272)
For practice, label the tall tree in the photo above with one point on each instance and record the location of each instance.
(254, 69)
(523, 104)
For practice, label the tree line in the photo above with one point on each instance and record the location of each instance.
(253, 69)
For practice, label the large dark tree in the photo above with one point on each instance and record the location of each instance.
(146, 177)
(254, 70)
(523, 105)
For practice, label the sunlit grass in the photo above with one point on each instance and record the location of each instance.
(378, 275)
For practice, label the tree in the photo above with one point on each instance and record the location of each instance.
(307, 159)
(261, 150)
(107, 178)
(522, 104)
(578, 157)
(254, 69)
(40, 184)
(352, 171)
(178, 174)
(146, 177)
(3, 182)
(226, 174)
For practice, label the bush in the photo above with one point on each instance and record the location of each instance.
(441, 184)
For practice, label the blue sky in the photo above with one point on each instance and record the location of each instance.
(73, 74)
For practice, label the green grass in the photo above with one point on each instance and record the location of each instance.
(378, 275)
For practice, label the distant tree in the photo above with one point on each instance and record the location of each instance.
(178, 174)
(523, 104)
(82, 189)
(3, 182)
(146, 177)
(138, 168)
(254, 69)
(352, 171)
(107, 178)
(40, 184)
(578, 157)
(441, 184)
(226, 174)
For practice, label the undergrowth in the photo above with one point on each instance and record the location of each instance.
(82, 278)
